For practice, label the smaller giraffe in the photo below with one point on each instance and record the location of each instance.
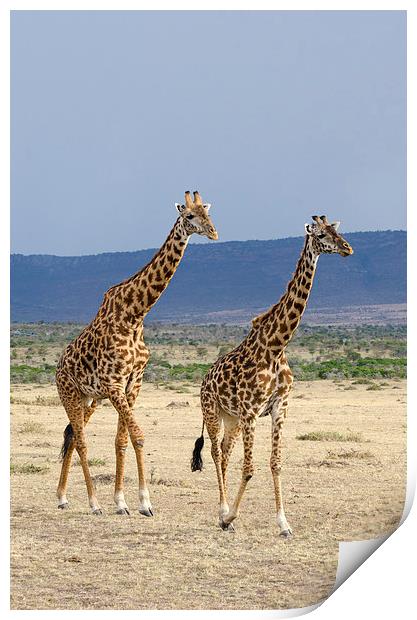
(255, 380)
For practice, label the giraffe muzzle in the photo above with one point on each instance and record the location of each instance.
(346, 250)
(212, 234)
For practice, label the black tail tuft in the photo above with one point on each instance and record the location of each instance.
(196, 460)
(68, 436)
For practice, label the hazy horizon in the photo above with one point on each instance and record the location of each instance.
(271, 115)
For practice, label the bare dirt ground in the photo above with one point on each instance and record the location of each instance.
(334, 490)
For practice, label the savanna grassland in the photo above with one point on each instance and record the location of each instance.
(344, 476)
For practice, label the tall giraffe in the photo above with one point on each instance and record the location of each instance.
(255, 379)
(108, 358)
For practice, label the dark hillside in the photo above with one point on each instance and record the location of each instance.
(213, 277)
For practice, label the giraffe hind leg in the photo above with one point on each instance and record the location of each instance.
(231, 434)
(213, 423)
(78, 413)
(66, 453)
(248, 432)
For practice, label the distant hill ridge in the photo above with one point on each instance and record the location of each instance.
(216, 277)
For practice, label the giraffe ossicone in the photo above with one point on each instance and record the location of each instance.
(254, 379)
(108, 358)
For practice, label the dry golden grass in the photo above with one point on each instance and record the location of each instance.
(180, 558)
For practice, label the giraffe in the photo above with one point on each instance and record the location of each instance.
(255, 380)
(108, 358)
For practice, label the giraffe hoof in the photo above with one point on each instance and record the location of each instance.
(227, 527)
(147, 512)
(63, 506)
(97, 511)
(286, 533)
(123, 511)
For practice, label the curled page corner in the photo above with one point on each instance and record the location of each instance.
(301, 611)
(352, 554)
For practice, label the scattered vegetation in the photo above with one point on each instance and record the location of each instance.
(28, 468)
(31, 427)
(344, 368)
(182, 354)
(23, 373)
(155, 478)
(330, 436)
(350, 454)
(178, 404)
(107, 478)
(343, 458)
(40, 401)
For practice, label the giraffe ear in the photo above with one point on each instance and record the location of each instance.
(207, 206)
(308, 229)
(335, 225)
(180, 208)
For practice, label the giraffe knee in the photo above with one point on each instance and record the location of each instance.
(138, 439)
(121, 447)
(137, 436)
(121, 441)
(276, 468)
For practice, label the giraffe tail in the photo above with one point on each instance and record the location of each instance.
(196, 460)
(68, 437)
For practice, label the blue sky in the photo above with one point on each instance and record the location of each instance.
(273, 116)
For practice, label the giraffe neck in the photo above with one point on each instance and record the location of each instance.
(133, 298)
(279, 323)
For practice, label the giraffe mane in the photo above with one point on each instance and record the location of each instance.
(257, 320)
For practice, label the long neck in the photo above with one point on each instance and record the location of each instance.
(133, 298)
(279, 323)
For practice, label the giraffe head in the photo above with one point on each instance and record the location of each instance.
(326, 239)
(195, 216)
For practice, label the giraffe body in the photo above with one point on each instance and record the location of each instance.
(255, 380)
(108, 359)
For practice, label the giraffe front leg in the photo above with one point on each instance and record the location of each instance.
(284, 529)
(120, 403)
(122, 438)
(213, 425)
(278, 416)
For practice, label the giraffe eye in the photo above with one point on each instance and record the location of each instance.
(321, 236)
(189, 217)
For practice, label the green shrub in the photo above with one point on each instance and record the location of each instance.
(344, 368)
(28, 468)
(23, 373)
